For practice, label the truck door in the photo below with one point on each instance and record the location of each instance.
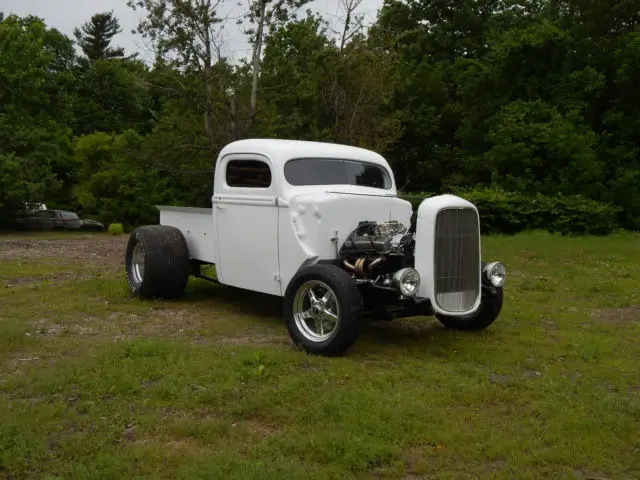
(246, 223)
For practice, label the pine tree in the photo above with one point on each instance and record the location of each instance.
(96, 35)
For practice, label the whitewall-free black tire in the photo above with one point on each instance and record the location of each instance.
(157, 262)
(487, 313)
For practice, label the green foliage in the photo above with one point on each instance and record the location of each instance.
(510, 212)
(533, 99)
(536, 99)
(112, 97)
(95, 36)
(34, 142)
(113, 183)
(534, 149)
(115, 229)
(295, 59)
(513, 212)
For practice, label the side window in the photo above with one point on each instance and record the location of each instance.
(248, 174)
(44, 214)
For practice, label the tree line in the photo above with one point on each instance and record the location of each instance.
(535, 99)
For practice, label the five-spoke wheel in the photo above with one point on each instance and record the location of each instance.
(316, 310)
(323, 308)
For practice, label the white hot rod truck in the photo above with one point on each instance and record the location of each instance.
(321, 225)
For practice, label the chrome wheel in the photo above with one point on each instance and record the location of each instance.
(137, 264)
(316, 311)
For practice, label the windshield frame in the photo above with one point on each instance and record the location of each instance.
(387, 176)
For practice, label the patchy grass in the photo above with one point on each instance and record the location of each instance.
(94, 383)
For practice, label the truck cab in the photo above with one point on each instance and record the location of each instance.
(321, 225)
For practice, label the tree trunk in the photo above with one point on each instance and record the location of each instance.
(350, 7)
(257, 48)
(347, 24)
(208, 72)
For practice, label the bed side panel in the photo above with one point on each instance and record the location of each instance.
(196, 224)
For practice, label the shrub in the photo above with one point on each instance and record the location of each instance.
(116, 229)
(513, 212)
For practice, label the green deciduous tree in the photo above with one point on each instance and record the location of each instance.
(327, 92)
(297, 59)
(265, 17)
(34, 142)
(113, 183)
(536, 149)
(536, 98)
(187, 36)
(113, 96)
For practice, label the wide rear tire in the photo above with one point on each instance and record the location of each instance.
(323, 310)
(157, 262)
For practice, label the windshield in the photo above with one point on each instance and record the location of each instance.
(330, 171)
(69, 215)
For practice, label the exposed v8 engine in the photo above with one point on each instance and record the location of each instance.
(375, 249)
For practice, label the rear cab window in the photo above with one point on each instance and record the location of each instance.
(330, 171)
(248, 174)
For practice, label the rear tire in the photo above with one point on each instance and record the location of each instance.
(323, 309)
(485, 315)
(157, 262)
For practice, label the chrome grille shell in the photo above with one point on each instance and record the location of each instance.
(456, 273)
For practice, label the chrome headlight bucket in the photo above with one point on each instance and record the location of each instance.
(407, 281)
(496, 273)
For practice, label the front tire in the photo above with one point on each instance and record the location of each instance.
(323, 309)
(487, 313)
(157, 262)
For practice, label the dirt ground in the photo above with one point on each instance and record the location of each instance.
(210, 315)
(102, 249)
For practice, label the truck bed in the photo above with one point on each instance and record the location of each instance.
(196, 224)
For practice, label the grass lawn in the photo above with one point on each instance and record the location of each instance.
(96, 384)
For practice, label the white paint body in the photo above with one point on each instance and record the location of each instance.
(425, 236)
(259, 238)
(310, 222)
(196, 225)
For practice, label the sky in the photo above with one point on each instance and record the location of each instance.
(67, 14)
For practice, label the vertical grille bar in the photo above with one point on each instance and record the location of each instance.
(457, 259)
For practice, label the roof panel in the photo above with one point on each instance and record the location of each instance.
(280, 150)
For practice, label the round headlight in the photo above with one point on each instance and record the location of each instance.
(496, 273)
(407, 281)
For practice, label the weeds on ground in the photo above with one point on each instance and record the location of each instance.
(96, 383)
